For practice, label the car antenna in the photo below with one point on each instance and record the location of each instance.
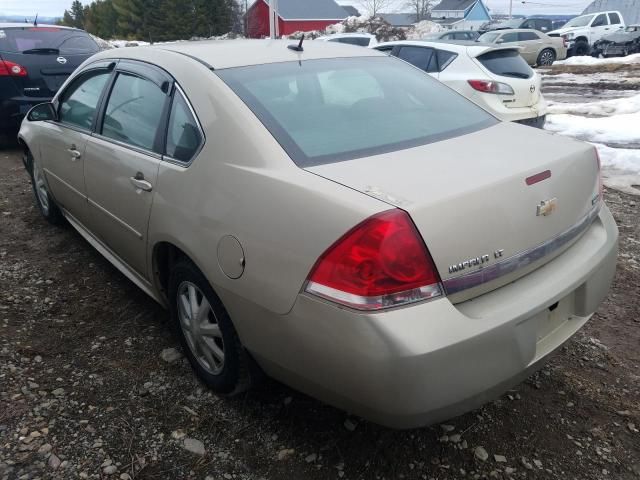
(297, 48)
(35, 21)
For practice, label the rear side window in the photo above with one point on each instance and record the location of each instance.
(507, 63)
(79, 102)
(183, 136)
(330, 110)
(444, 58)
(526, 36)
(134, 111)
(66, 42)
(614, 18)
(417, 56)
(360, 41)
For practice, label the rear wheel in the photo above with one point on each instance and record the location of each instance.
(581, 48)
(206, 332)
(546, 57)
(46, 205)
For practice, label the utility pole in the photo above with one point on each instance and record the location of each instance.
(510, 8)
(272, 19)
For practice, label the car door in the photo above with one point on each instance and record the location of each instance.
(615, 22)
(531, 44)
(599, 27)
(62, 142)
(122, 160)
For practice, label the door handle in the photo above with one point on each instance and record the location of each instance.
(75, 154)
(139, 182)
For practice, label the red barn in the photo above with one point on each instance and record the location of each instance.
(293, 16)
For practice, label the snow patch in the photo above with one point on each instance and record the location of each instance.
(627, 160)
(420, 29)
(585, 60)
(604, 108)
(617, 129)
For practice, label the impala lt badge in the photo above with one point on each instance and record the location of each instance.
(546, 207)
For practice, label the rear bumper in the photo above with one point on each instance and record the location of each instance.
(495, 105)
(13, 110)
(418, 365)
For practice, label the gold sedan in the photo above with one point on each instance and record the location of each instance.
(537, 48)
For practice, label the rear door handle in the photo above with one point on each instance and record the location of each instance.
(139, 182)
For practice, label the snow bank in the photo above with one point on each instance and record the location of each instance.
(615, 129)
(127, 43)
(604, 108)
(420, 29)
(586, 60)
(627, 160)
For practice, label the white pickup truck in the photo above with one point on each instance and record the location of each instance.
(582, 32)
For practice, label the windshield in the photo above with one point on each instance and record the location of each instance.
(579, 21)
(46, 40)
(488, 37)
(330, 110)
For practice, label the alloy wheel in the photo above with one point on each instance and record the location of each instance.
(41, 189)
(546, 58)
(200, 327)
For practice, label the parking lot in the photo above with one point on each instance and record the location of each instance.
(90, 388)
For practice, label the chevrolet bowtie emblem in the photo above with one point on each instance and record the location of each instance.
(547, 207)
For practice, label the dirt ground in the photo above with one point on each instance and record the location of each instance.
(85, 392)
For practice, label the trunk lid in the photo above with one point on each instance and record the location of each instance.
(507, 66)
(470, 200)
(49, 54)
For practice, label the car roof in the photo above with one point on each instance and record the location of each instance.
(352, 34)
(457, 45)
(31, 25)
(219, 54)
(516, 30)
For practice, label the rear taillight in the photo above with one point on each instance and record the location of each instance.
(600, 184)
(488, 86)
(10, 69)
(564, 42)
(380, 263)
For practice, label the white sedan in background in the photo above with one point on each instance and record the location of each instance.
(494, 77)
(359, 39)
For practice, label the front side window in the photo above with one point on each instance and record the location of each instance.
(134, 111)
(509, 37)
(582, 21)
(600, 20)
(183, 135)
(330, 110)
(79, 102)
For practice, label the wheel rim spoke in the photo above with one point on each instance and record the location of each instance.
(200, 328)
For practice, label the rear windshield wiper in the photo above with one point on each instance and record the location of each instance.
(44, 51)
(515, 74)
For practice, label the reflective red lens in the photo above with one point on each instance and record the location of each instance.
(11, 69)
(381, 256)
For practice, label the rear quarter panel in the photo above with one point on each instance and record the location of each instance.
(243, 184)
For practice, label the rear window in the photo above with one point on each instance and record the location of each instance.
(46, 39)
(330, 110)
(360, 41)
(507, 63)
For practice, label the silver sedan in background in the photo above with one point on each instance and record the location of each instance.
(328, 214)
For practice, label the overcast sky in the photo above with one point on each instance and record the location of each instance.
(56, 7)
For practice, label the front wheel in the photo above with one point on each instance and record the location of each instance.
(46, 205)
(546, 57)
(581, 48)
(206, 332)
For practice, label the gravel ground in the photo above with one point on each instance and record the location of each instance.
(92, 386)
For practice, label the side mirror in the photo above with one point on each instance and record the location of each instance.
(42, 111)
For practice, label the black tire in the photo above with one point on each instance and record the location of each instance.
(234, 375)
(546, 57)
(581, 48)
(47, 206)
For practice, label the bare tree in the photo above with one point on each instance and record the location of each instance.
(421, 8)
(374, 7)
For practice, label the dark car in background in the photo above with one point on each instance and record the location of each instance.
(35, 60)
(465, 35)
